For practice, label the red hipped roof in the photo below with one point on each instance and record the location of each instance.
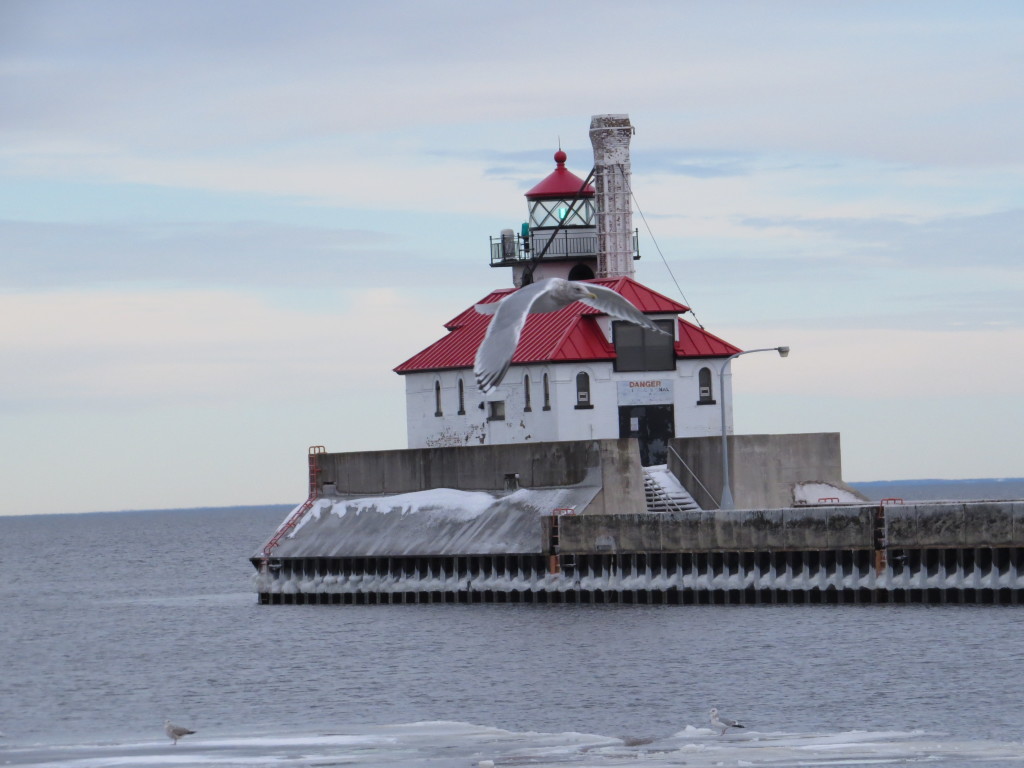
(571, 334)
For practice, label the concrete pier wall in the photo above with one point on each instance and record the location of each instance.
(446, 502)
(614, 464)
(763, 468)
(955, 524)
(909, 526)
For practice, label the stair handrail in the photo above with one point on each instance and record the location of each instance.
(693, 474)
(661, 494)
(655, 489)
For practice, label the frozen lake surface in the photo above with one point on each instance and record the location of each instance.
(436, 744)
(112, 623)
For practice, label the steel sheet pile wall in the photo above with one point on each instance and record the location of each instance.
(971, 552)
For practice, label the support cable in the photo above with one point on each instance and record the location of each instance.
(658, 249)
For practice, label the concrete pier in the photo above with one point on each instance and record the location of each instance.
(568, 523)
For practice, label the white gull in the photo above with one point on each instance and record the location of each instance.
(499, 345)
(723, 722)
(175, 732)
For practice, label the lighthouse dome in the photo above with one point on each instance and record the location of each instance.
(560, 183)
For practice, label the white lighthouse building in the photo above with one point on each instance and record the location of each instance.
(577, 374)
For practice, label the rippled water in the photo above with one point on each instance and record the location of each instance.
(113, 622)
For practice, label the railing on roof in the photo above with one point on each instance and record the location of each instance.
(513, 248)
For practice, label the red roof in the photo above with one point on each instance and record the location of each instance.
(571, 333)
(560, 183)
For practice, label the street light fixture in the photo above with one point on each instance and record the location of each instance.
(727, 502)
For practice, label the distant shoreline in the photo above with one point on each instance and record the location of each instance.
(927, 489)
(929, 481)
(980, 489)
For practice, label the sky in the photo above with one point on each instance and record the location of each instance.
(222, 225)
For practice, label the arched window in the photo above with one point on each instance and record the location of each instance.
(706, 393)
(437, 399)
(547, 393)
(462, 398)
(526, 394)
(581, 272)
(583, 390)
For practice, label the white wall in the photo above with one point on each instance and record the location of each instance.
(563, 421)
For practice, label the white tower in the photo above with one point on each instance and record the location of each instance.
(610, 135)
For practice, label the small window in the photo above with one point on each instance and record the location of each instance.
(462, 398)
(583, 391)
(496, 410)
(437, 399)
(547, 393)
(705, 392)
(526, 394)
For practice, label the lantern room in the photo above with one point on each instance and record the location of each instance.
(559, 238)
(562, 199)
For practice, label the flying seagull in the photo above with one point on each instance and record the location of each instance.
(723, 722)
(175, 731)
(499, 345)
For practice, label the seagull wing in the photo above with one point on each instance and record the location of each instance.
(499, 345)
(616, 305)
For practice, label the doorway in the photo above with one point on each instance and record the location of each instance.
(653, 426)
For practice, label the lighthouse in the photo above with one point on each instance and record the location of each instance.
(577, 374)
(583, 476)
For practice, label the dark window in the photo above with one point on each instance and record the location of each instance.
(707, 394)
(462, 398)
(638, 349)
(583, 391)
(437, 399)
(547, 394)
(496, 410)
(581, 272)
(526, 394)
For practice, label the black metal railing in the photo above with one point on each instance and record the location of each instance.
(513, 248)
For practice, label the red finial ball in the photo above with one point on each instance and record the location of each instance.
(560, 157)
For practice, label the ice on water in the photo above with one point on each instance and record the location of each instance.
(99, 652)
(465, 745)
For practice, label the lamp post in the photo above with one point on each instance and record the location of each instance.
(727, 502)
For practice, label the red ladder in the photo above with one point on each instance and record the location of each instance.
(298, 514)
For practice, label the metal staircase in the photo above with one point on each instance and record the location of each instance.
(665, 493)
(300, 512)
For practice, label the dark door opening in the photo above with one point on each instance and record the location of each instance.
(652, 426)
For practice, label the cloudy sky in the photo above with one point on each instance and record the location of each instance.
(223, 224)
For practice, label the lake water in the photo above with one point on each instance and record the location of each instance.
(112, 623)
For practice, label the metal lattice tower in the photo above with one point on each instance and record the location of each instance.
(610, 136)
